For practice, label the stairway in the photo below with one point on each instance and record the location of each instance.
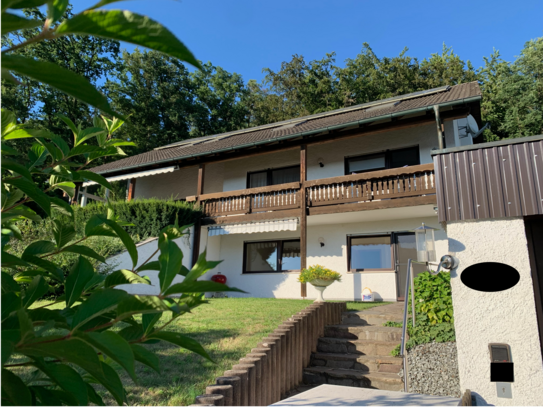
(357, 352)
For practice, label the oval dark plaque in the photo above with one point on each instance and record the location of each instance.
(490, 277)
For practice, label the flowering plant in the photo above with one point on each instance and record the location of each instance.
(318, 272)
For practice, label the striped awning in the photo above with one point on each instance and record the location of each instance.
(136, 175)
(255, 227)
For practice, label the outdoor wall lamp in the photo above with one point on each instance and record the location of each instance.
(426, 248)
(321, 241)
(321, 162)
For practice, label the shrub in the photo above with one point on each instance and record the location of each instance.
(434, 320)
(318, 272)
(433, 297)
(148, 216)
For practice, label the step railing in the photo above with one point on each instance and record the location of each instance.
(408, 284)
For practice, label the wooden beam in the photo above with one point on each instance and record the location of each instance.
(131, 189)
(198, 223)
(369, 206)
(221, 220)
(303, 215)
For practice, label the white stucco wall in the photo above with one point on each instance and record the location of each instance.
(502, 317)
(179, 184)
(146, 249)
(333, 255)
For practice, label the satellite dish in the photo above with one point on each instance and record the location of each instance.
(471, 125)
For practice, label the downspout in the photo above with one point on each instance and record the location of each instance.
(440, 130)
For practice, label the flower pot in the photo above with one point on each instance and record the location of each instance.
(320, 286)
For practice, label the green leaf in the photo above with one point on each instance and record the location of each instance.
(79, 276)
(170, 260)
(14, 389)
(62, 79)
(33, 192)
(85, 251)
(62, 206)
(96, 178)
(126, 26)
(27, 133)
(93, 396)
(50, 397)
(115, 347)
(152, 265)
(63, 233)
(148, 321)
(98, 303)
(56, 9)
(199, 287)
(9, 122)
(146, 357)
(44, 314)
(37, 289)
(17, 168)
(201, 267)
(95, 227)
(55, 271)
(126, 239)
(37, 248)
(182, 341)
(111, 381)
(67, 379)
(7, 150)
(11, 302)
(21, 211)
(70, 124)
(9, 260)
(135, 304)
(25, 325)
(83, 149)
(12, 22)
(124, 277)
(88, 133)
(7, 350)
(9, 284)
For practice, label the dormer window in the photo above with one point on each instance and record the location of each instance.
(273, 176)
(380, 161)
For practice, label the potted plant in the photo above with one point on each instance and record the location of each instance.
(319, 277)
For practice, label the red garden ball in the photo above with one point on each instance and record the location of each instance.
(219, 278)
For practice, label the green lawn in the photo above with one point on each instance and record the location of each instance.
(228, 328)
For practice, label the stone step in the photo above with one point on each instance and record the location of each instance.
(363, 363)
(352, 378)
(356, 346)
(378, 333)
(369, 318)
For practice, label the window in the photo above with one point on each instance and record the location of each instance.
(369, 253)
(273, 177)
(380, 161)
(271, 256)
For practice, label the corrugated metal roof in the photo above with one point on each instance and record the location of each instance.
(309, 124)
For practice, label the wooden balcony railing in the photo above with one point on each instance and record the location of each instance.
(376, 185)
(395, 183)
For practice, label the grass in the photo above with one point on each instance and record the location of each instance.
(228, 328)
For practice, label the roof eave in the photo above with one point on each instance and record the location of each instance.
(302, 134)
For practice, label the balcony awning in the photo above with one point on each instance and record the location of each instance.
(255, 227)
(135, 175)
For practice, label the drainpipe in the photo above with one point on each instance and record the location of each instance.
(440, 129)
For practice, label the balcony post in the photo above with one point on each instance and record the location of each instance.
(440, 129)
(198, 223)
(303, 215)
(131, 189)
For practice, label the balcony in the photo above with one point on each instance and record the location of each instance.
(392, 188)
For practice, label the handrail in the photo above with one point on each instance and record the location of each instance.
(412, 169)
(408, 283)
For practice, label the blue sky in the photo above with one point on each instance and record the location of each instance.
(245, 36)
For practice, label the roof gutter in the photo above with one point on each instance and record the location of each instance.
(305, 133)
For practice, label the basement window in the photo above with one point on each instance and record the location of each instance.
(274, 256)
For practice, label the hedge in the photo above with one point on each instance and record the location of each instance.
(149, 216)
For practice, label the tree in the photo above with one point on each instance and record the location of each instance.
(156, 92)
(513, 93)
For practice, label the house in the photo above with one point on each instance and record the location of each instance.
(344, 189)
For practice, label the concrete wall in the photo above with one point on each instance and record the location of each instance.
(501, 317)
(146, 249)
(333, 255)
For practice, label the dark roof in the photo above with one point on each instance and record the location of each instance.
(314, 124)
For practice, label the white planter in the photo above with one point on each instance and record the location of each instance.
(320, 286)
